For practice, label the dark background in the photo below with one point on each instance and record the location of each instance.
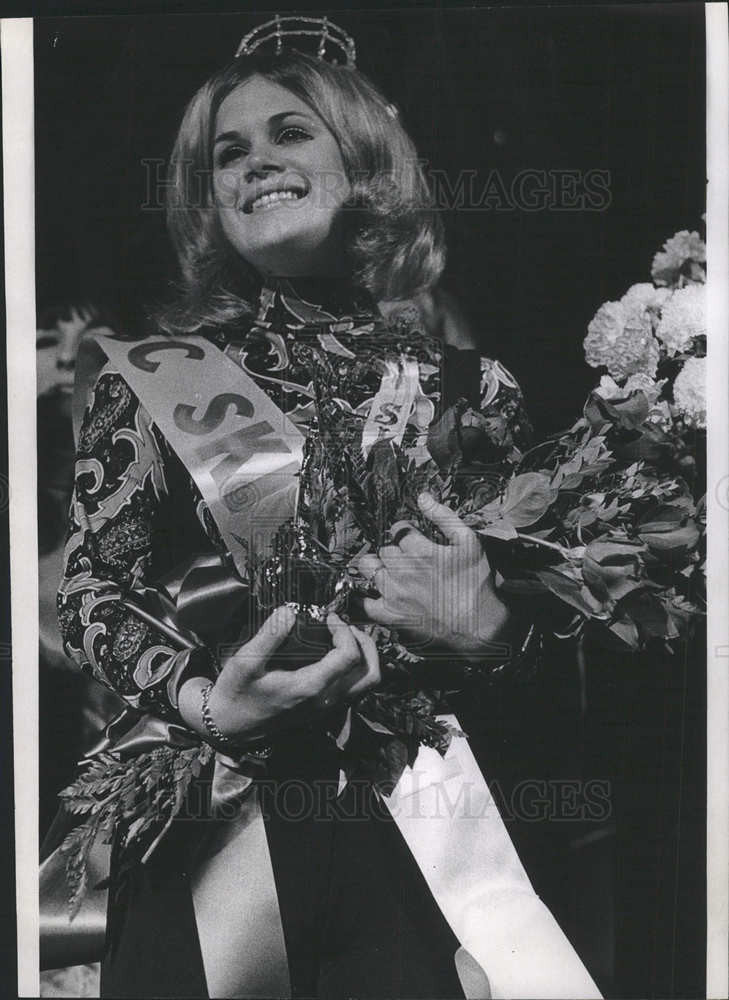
(618, 88)
(614, 88)
(8, 922)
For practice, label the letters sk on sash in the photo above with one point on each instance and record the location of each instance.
(242, 451)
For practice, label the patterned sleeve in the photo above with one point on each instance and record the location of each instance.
(118, 491)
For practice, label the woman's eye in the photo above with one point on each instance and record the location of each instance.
(229, 155)
(47, 341)
(293, 133)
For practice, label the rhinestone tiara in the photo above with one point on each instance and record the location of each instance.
(331, 43)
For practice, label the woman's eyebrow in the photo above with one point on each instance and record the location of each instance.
(226, 136)
(273, 120)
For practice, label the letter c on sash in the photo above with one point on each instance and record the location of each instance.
(138, 356)
(214, 415)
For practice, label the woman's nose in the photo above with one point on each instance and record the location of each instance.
(260, 162)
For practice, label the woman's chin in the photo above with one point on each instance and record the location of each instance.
(279, 250)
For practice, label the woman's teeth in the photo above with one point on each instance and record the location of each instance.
(267, 200)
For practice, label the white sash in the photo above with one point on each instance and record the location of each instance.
(244, 453)
(512, 947)
(392, 406)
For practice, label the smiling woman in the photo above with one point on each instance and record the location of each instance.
(359, 207)
(229, 478)
(267, 165)
(296, 365)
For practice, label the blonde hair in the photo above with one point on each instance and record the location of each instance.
(394, 237)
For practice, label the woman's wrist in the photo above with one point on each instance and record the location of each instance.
(515, 648)
(492, 635)
(200, 668)
(189, 703)
(200, 715)
(222, 741)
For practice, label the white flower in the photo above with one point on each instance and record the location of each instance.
(645, 296)
(622, 340)
(603, 331)
(609, 388)
(646, 384)
(683, 317)
(689, 392)
(660, 414)
(682, 254)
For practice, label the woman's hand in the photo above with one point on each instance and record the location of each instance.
(442, 596)
(250, 700)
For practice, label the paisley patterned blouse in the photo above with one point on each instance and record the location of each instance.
(136, 513)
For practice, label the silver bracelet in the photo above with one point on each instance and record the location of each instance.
(224, 742)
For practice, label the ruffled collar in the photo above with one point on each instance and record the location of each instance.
(315, 306)
(293, 303)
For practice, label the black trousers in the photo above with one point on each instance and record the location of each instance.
(358, 917)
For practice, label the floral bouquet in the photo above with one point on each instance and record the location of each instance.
(609, 517)
(601, 527)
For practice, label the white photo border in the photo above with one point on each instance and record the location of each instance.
(16, 38)
(16, 42)
(717, 496)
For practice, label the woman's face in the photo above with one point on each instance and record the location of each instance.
(279, 182)
(56, 351)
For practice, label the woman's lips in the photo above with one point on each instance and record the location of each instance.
(272, 199)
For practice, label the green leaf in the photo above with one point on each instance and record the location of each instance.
(569, 482)
(376, 727)
(627, 632)
(650, 615)
(527, 497)
(501, 528)
(650, 445)
(567, 468)
(610, 550)
(667, 517)
(443, 439)
(610, 512)
(613, 569)
(396, 756)
(76, 849)
(570, 591)
(674, 544)
(629, 413)
(136, 827)
(524, 586)
(525, 500)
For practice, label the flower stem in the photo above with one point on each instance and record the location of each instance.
(565, 553)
